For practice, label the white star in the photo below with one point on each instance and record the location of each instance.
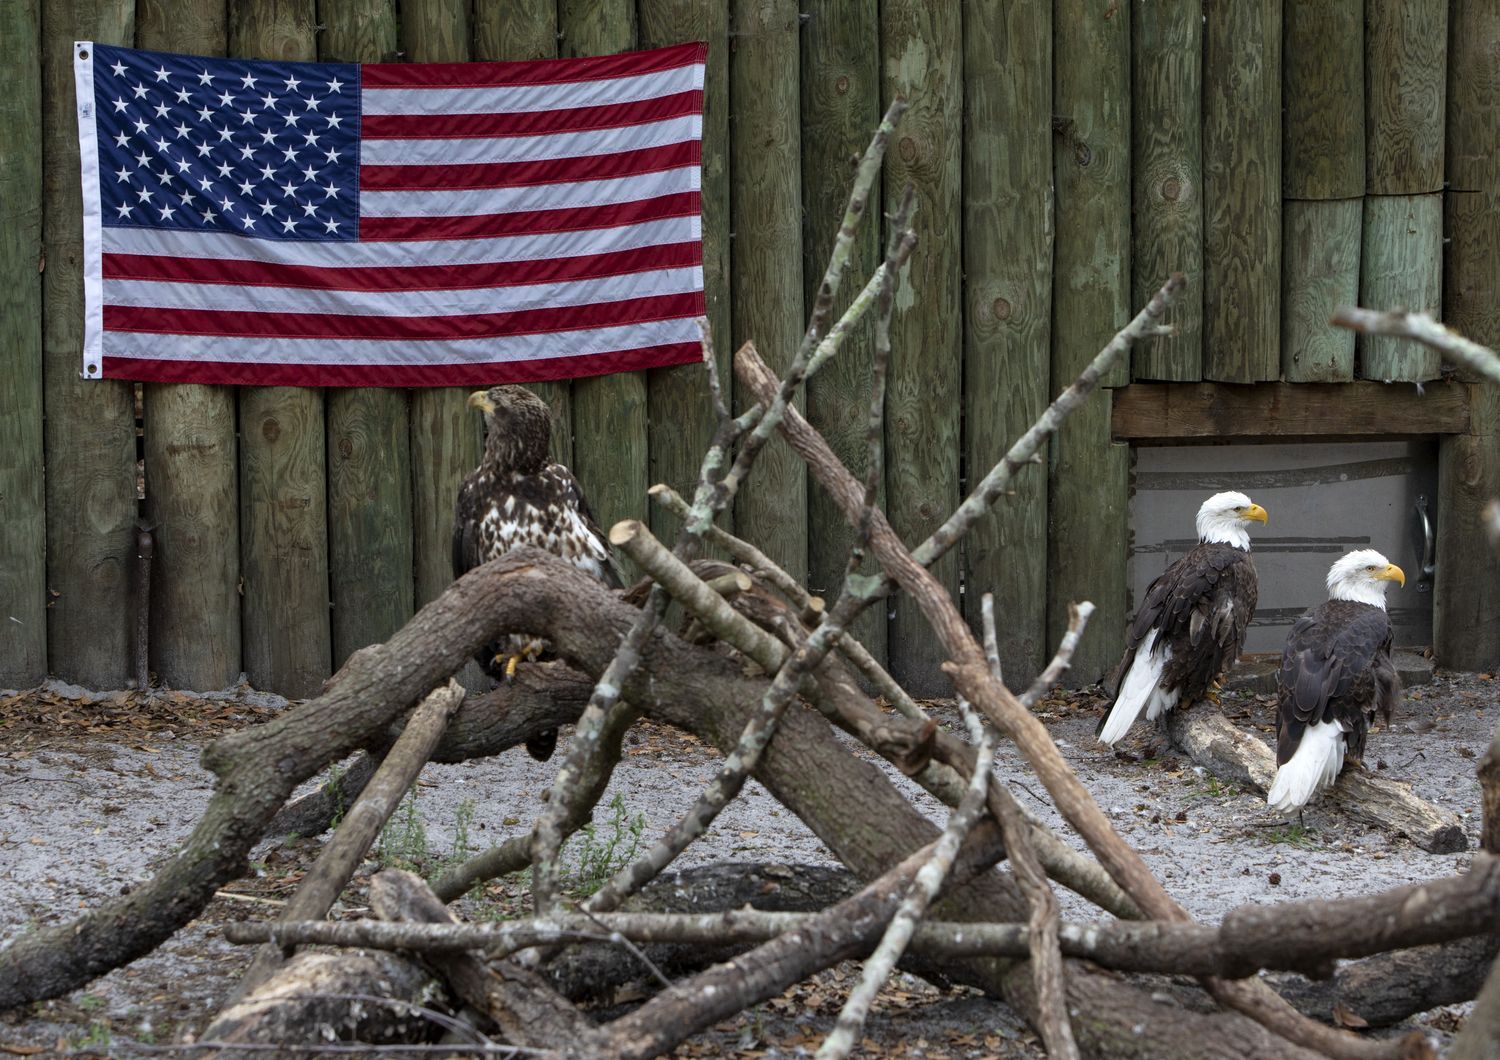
(161, 74)
(247, 152)
(246, 187)
(246, 117)
(332, 154)
(287, 190)
(268, 101)
(181, 130)
(204, 114)
(161, 144)
(161, 110)
(118, 68)
(186, 197)
(265, 208)
(268, 137)
(247, 221)
(144, 195)
(181, 164)
(331, 225)
(331, 192)
(225, 203)
(267, 172)
(120, 105)
(139, 90)
(122, 175)
(224, 135)
(182, 95)
(309, 209)
(142, 159)
(204, 77)
(140, 125)
(312, 104)
(121, 139)
(335, 85)
(292, 117)
(291, 154)
(248, 81)
(167, 212)
(289, 225)
(310, 173)
(311, 138)
(224, 169)
(333, 121)
(291, 84)
(208, 217)
(204, 184)
(203, 150)
(225, 99)
(165, 176)
(124, 209)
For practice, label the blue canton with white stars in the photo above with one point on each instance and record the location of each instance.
(262, 149)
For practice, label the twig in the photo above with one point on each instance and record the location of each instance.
(715, 390)
(899, 247)
(1078, 618)
(1463, 352)
(924, 888)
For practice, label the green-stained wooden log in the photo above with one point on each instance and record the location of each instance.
(1466, 597)
(609, 411)
(1320, 270)
(682, 417)
(1090, 301)
(1323, 93)
(1167, 180)
(23, 524)
(515, 30)
(1007, 285)
(1406, 56)
(1241, 191)
(840, 109)
(1401, 268)
(369, 442)
(1089, 538)
(766, 283)
(90, 425)
(447, 437)
(192, 474)
(283, 479)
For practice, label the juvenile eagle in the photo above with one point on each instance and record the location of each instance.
(1191, 625)
(1336, 672)
(517, 496)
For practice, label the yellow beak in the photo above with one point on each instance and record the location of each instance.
(1257, 513)
(480, 400)
(1392, 573)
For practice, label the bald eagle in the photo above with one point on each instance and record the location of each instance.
(517, 496)
(1336, 672)
(1191, 625)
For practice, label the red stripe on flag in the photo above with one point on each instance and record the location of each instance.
(406, 329)
(537, 72)
(234, 373)
(529, 123)
(518, 174)
(529, 222)
(407, 278)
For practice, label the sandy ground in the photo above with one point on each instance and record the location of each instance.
(94, 794)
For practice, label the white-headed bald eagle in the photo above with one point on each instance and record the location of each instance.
(517, 496)
(1191, 625)
(1336, 673)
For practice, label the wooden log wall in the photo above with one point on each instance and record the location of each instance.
(1066, 157)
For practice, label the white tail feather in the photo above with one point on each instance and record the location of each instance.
(1314, 766)
(1140, 689)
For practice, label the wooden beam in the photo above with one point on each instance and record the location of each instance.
(90, 423)
(1406, 73)
(1401, 268)
(840, 109)
(1323, 91)
(1178, 413)
(23, 526)
(1319, 272)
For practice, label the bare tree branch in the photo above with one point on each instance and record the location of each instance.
(1481, 360)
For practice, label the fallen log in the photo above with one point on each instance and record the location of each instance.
(1210, 740)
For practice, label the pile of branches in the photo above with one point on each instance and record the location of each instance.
(766, 673)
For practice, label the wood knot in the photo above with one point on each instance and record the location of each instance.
(841, 85)
(908, 149)
(1082, 153)
(270, 430)
(1171, 189)
(1001, 308)
(346, 448)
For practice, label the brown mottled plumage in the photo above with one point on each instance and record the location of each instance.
(517, 496)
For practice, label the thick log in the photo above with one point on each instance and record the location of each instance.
(447, 437)
(89, 431)
(840, 95)
(526, 1009)
(1401, 268)
(1406, 54)
(1473, 98)
(1007, 195)
(310, 998)
(1320, 271)
(766, 280)
(682, 417)
(1188, 412)
(609, 412)
(1209, 739)
(1167, 179)
(1241, 191)
(369, 443)
(1323, 91)
(283, 479)
(23, 526)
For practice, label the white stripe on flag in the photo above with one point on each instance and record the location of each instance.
(511, 99)
(461, 151)
(469, 202)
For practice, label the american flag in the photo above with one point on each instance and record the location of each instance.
(433, 224)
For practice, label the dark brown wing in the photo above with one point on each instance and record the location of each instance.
(574, 498)
(1201, 606)
(1336, 666)
(466, 515)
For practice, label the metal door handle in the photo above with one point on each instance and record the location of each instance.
(1429, 546)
